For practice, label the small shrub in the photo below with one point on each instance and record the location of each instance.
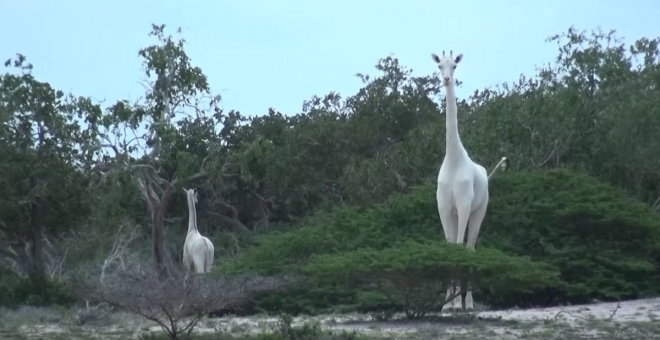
(93, 314)
(174, 303)
(284, 330)
(29, 315)
(34, 291)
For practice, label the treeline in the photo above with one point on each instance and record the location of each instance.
(326, 192)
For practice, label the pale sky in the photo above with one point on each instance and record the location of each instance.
(260, 54)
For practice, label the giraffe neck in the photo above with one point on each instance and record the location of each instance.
(454, 148)
(192, 215)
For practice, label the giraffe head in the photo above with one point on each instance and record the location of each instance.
(191, 194)
(447, 65)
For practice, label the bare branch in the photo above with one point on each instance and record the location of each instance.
(147, 194)
(233, 222)
(166, 115)
(171, 301)
(551, 152)
(11, 256)
(196, 176)
(656, 205)
(119, 248)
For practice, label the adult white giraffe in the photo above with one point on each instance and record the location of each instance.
(198, 250)
(462, 193)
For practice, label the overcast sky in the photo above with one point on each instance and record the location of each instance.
(260, 54)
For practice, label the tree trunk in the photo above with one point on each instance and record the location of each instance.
(32, 259)
(37, 247)
(158, 239)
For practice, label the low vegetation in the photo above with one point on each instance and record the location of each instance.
(602, 244)
(62, 323)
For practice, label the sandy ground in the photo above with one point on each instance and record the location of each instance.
(590, 319)
(639, 319)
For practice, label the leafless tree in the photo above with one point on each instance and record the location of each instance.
(174, 303)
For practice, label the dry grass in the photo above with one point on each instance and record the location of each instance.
(634, 321)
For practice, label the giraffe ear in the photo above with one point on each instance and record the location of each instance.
(435, 57)
(458, 58)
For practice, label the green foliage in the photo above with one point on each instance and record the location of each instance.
(18, 291)
(45, 154)
(437, 261)
(416, 275)
(10, 280)
(350, 179)
(412, 216)
(605, 243)
(285, 331)
(311, 298)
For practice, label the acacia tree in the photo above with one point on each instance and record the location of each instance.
(175, 89)
(45, 154)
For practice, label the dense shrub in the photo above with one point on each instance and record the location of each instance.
(416, 275)
(404, 217)
(34, 291)
(605, 244)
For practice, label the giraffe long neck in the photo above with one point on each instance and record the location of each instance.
(192, 215)
(454, 147)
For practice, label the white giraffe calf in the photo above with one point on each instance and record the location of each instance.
(198, 250)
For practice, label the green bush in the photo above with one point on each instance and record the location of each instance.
(38, 292)
(416, 275)
(605, 244)
(341, 229)
(9, 280)
(404, 217)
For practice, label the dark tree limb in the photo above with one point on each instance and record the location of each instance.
(263, 213)
(233, 222)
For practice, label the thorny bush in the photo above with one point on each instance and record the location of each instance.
(178, 302)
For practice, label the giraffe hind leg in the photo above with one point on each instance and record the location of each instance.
(474, 226)
(449, 223)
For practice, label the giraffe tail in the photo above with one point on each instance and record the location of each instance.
(503, 163)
